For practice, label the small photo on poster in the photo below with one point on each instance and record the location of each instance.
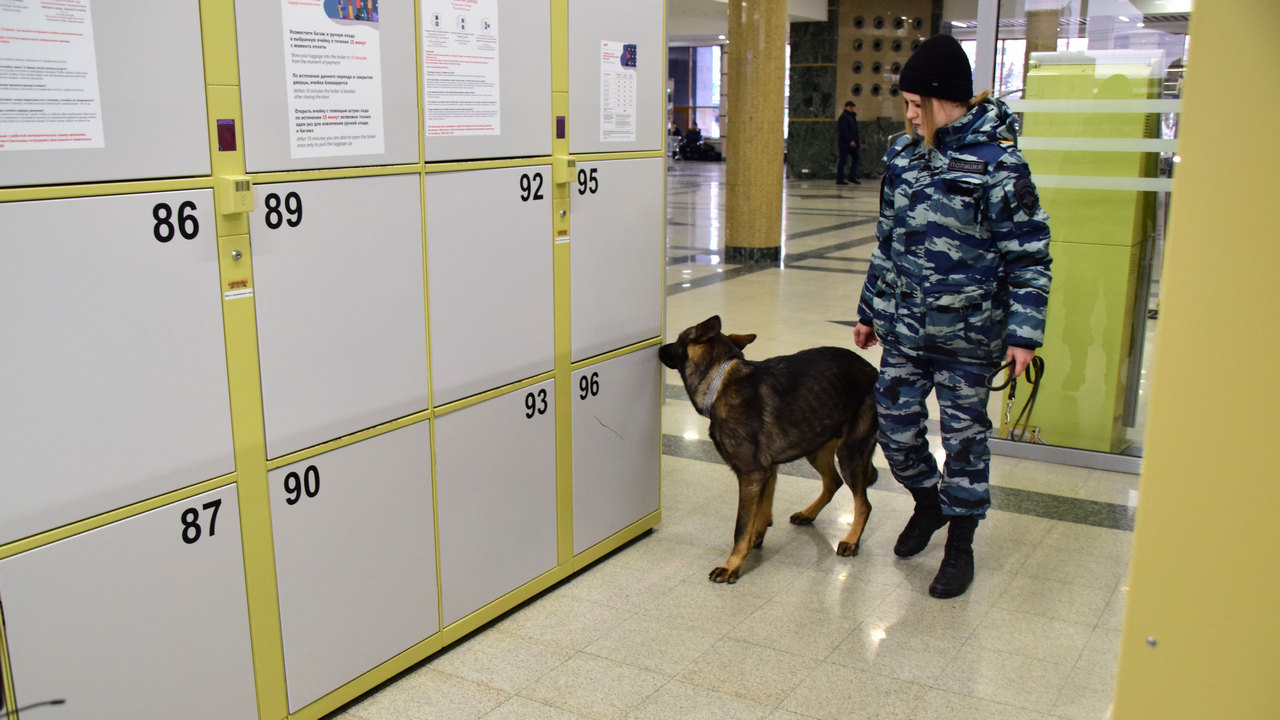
(365, 10)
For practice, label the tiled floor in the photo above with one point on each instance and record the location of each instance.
(804, 633)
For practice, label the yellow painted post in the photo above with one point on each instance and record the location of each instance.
(235, 262)
(561, 273)
(1201, 634)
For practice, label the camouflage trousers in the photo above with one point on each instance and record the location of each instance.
(905, 381)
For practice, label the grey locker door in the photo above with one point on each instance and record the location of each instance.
(143, 618)
(154, 122)
(355, 559)
(264, 92)
(616, 253)
(340, 306)
(114, 372)
(620, 23)
(496, 492)
(616, 445)
(523, 57)
(489, 277)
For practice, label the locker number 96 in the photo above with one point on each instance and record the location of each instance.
(589, 386)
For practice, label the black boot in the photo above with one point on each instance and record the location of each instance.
(956, 573)
(924, 522)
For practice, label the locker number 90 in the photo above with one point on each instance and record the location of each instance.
(307, 484)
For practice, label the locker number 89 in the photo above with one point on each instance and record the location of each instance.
(292, 205)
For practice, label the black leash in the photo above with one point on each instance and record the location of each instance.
(1035, 371)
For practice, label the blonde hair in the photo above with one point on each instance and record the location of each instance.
(929, 124)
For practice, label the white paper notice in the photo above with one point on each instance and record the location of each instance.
(49, 94)
(617, 91)
(333, 76)
(460, 67)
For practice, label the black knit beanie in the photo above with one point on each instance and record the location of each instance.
(938, 68)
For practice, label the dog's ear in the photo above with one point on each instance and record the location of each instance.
(706, 329)
(742, 340)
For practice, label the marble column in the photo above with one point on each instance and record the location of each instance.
(754, 146)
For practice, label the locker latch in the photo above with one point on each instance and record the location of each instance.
(563, 168)
(234, 194)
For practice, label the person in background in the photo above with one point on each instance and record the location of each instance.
(958, 284)
(847, 142)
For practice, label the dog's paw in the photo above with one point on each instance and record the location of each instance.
(759, 543)
(845, 549)
(723, 574)
(801, 519)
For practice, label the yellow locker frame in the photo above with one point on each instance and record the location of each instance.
(233, 201)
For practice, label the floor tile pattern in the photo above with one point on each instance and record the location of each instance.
(803, 634)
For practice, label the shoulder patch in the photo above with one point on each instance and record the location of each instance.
(896, 148)
(968, 166)
(1025, 192)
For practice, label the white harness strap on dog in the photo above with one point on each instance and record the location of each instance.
(714, 389)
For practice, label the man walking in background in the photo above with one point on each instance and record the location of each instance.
(847, 129)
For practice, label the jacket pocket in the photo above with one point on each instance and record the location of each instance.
(884, 306)
(957, 202)
(962, 324)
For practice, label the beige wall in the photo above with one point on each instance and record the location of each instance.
(1205, 574)
(870, 106)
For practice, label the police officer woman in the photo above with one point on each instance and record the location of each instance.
(958, 284)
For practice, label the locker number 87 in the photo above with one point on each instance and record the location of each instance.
(191, 527)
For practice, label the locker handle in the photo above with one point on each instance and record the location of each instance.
(563, 169)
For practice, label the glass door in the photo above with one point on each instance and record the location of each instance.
(1096, 86)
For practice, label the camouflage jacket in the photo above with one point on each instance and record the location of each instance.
(962, 266)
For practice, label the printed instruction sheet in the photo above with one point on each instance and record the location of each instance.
(49, 96)
(460, 67)
(617, 91)
(333, 74)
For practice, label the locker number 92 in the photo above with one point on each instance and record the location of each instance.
(530, 187)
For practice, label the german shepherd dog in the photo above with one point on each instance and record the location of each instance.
(816, 404)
